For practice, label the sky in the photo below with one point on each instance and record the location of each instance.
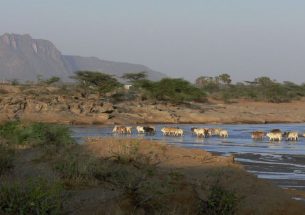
(187, 39)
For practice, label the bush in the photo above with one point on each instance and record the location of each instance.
(52, 80)
(35, 134)
(173, 90)
(261, 89)
(6, 159)
(123, 96)
(34, 197)
(220, 201)
(77, 168)
(96, 81)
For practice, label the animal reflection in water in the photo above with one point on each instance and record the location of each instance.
(273, 135)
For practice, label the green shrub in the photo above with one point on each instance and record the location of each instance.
(32, 197)
(93, 81)
(123, 96)
(173, 90)
(35, 134)
(260, 89)
(6, 159)
(77, 168)
(220, 201)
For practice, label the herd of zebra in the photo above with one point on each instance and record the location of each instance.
(273, 135)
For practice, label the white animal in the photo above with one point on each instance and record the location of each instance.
(216, 131)
(172, 131)
(192, 130)
(128, 129)
(140, 129)
(292, 135)
(115, 128)
(224, 133)
(201, 132)
(122, 129)
(274, 136)
(178, 132)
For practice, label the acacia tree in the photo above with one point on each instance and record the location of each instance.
(52, 80)
(225, 78)
(135, 77)
(264, 81)
(96, 81)
(173, 89)
(209, 84)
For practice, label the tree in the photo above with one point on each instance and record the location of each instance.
(225, 78)
(15, 82)
(96, 81)
(135, 77)
(264, 81)
(52, 80)
(208, 84)
(174, 90)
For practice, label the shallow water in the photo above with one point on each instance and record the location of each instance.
(282, 162)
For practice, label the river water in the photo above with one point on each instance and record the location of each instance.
(282, 162)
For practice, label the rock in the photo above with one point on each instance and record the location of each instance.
(74, 108)
(6, 88)
(35, 106)
(106, 108)
(100, 118)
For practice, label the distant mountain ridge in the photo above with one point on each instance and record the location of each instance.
(24, 58)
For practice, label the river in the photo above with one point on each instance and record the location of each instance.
(282, 162)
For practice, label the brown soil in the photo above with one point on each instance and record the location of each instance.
(201, 170)
(192, 173)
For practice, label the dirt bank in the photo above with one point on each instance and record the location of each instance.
(199, 172)
(56, 105)
(132, 176)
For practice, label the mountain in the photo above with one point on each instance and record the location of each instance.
(116, 68)
(24, 58)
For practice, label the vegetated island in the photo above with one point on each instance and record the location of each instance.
(97, 98)
(43, 171)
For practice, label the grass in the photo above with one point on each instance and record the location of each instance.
(35, 134)
(78, 168)
(124, 167)
(27, 195)
(35, 196)
(6, 159)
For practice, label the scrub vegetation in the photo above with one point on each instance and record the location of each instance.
(177, 90)
(260, 89)
(46, 172)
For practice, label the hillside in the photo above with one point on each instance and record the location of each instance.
(24, 58)
(67, 105)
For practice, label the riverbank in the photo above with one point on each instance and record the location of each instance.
(133, 176)
(58, 105)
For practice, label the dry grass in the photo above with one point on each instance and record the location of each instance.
(196, 182)
(132, 176)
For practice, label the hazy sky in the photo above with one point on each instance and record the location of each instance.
(182, 38)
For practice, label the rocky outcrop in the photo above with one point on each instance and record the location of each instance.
(54, 108)
(49, 104)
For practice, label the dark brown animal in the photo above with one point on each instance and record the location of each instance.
(276, 130)
(149, 130)
(257, 135)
